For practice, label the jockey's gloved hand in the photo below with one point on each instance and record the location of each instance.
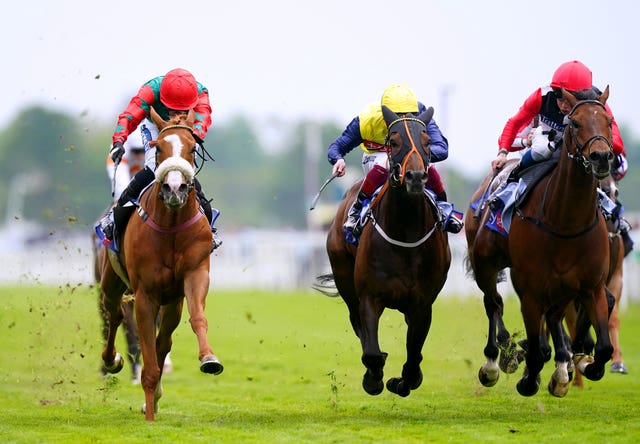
(620, 167)
(541, 147)
(117, 151)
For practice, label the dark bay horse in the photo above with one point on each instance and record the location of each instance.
(558, 252)
(166, 255)
(402, 259)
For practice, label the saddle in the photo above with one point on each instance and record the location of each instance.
(503, 198)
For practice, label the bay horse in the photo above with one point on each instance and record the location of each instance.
(557, 250)
(402, 258)
(166, 255)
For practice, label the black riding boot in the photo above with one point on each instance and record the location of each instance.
(208, 211)
(352, 224)
(122, 213)
(452, 223)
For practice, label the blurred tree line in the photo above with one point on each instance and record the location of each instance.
(56, 163)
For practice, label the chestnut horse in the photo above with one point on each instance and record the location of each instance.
(166, 255)
(558, 252)
(402, 258)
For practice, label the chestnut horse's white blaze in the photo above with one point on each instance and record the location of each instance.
(173, 169)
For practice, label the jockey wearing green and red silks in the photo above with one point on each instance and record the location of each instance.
(148, 96)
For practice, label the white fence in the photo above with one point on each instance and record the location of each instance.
(248, 259)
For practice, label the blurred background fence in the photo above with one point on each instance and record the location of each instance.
(248, 259)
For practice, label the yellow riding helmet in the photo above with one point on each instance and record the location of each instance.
(400, 99)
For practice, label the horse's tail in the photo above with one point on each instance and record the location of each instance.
(326, 285)
(501, 276)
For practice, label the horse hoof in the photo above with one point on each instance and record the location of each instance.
(488, 377)
(527, 389)
(619, 367)
(372, 387)
(211, 365)
(398, 386)
(116, 365)
(558, 389)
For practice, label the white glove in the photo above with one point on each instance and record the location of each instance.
(541, 147)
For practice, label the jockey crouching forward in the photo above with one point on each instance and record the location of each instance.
(177, 92)
(369, 131)
(539, 125)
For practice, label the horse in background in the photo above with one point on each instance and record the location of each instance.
(127, 305)
(402, 258)
(614, 284)
(558, 252)
(166, 256)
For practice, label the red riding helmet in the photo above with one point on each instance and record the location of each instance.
(572, 76)
(179, 90)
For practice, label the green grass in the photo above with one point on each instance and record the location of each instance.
(292, 374)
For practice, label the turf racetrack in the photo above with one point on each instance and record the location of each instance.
(292, 374)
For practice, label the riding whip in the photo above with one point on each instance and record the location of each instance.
(113, 181)
(324, 185)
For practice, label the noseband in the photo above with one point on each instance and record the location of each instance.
(578, 156)
(397, 168)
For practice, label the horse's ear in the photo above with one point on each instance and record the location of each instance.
(427, 115)
(569, 97)
(604, 96)
(191, 117)
(155, 118)
(389, 116)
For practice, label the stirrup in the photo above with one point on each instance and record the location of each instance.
(217, 241)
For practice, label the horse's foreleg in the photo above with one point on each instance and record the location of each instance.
(559, 382)
(146, 314)
(372, 357)
(596, 306)
(418, 324)
(196, 289)
(615, 286)
(532, 316)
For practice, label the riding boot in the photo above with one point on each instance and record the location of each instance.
(117, 219)
(627, 242)
(352, 224)
(452, 219)
(208, 211)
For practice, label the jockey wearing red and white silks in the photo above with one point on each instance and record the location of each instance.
(546, 105)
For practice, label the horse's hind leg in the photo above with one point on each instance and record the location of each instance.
(372, 357)
(131, 333)
(418, 324)
(112, 290)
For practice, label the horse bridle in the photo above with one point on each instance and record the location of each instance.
(578, 156)
(397, 168)
(190, 183)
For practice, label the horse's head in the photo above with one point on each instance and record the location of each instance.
(588, 133)
(409, 151)
(175, 156)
